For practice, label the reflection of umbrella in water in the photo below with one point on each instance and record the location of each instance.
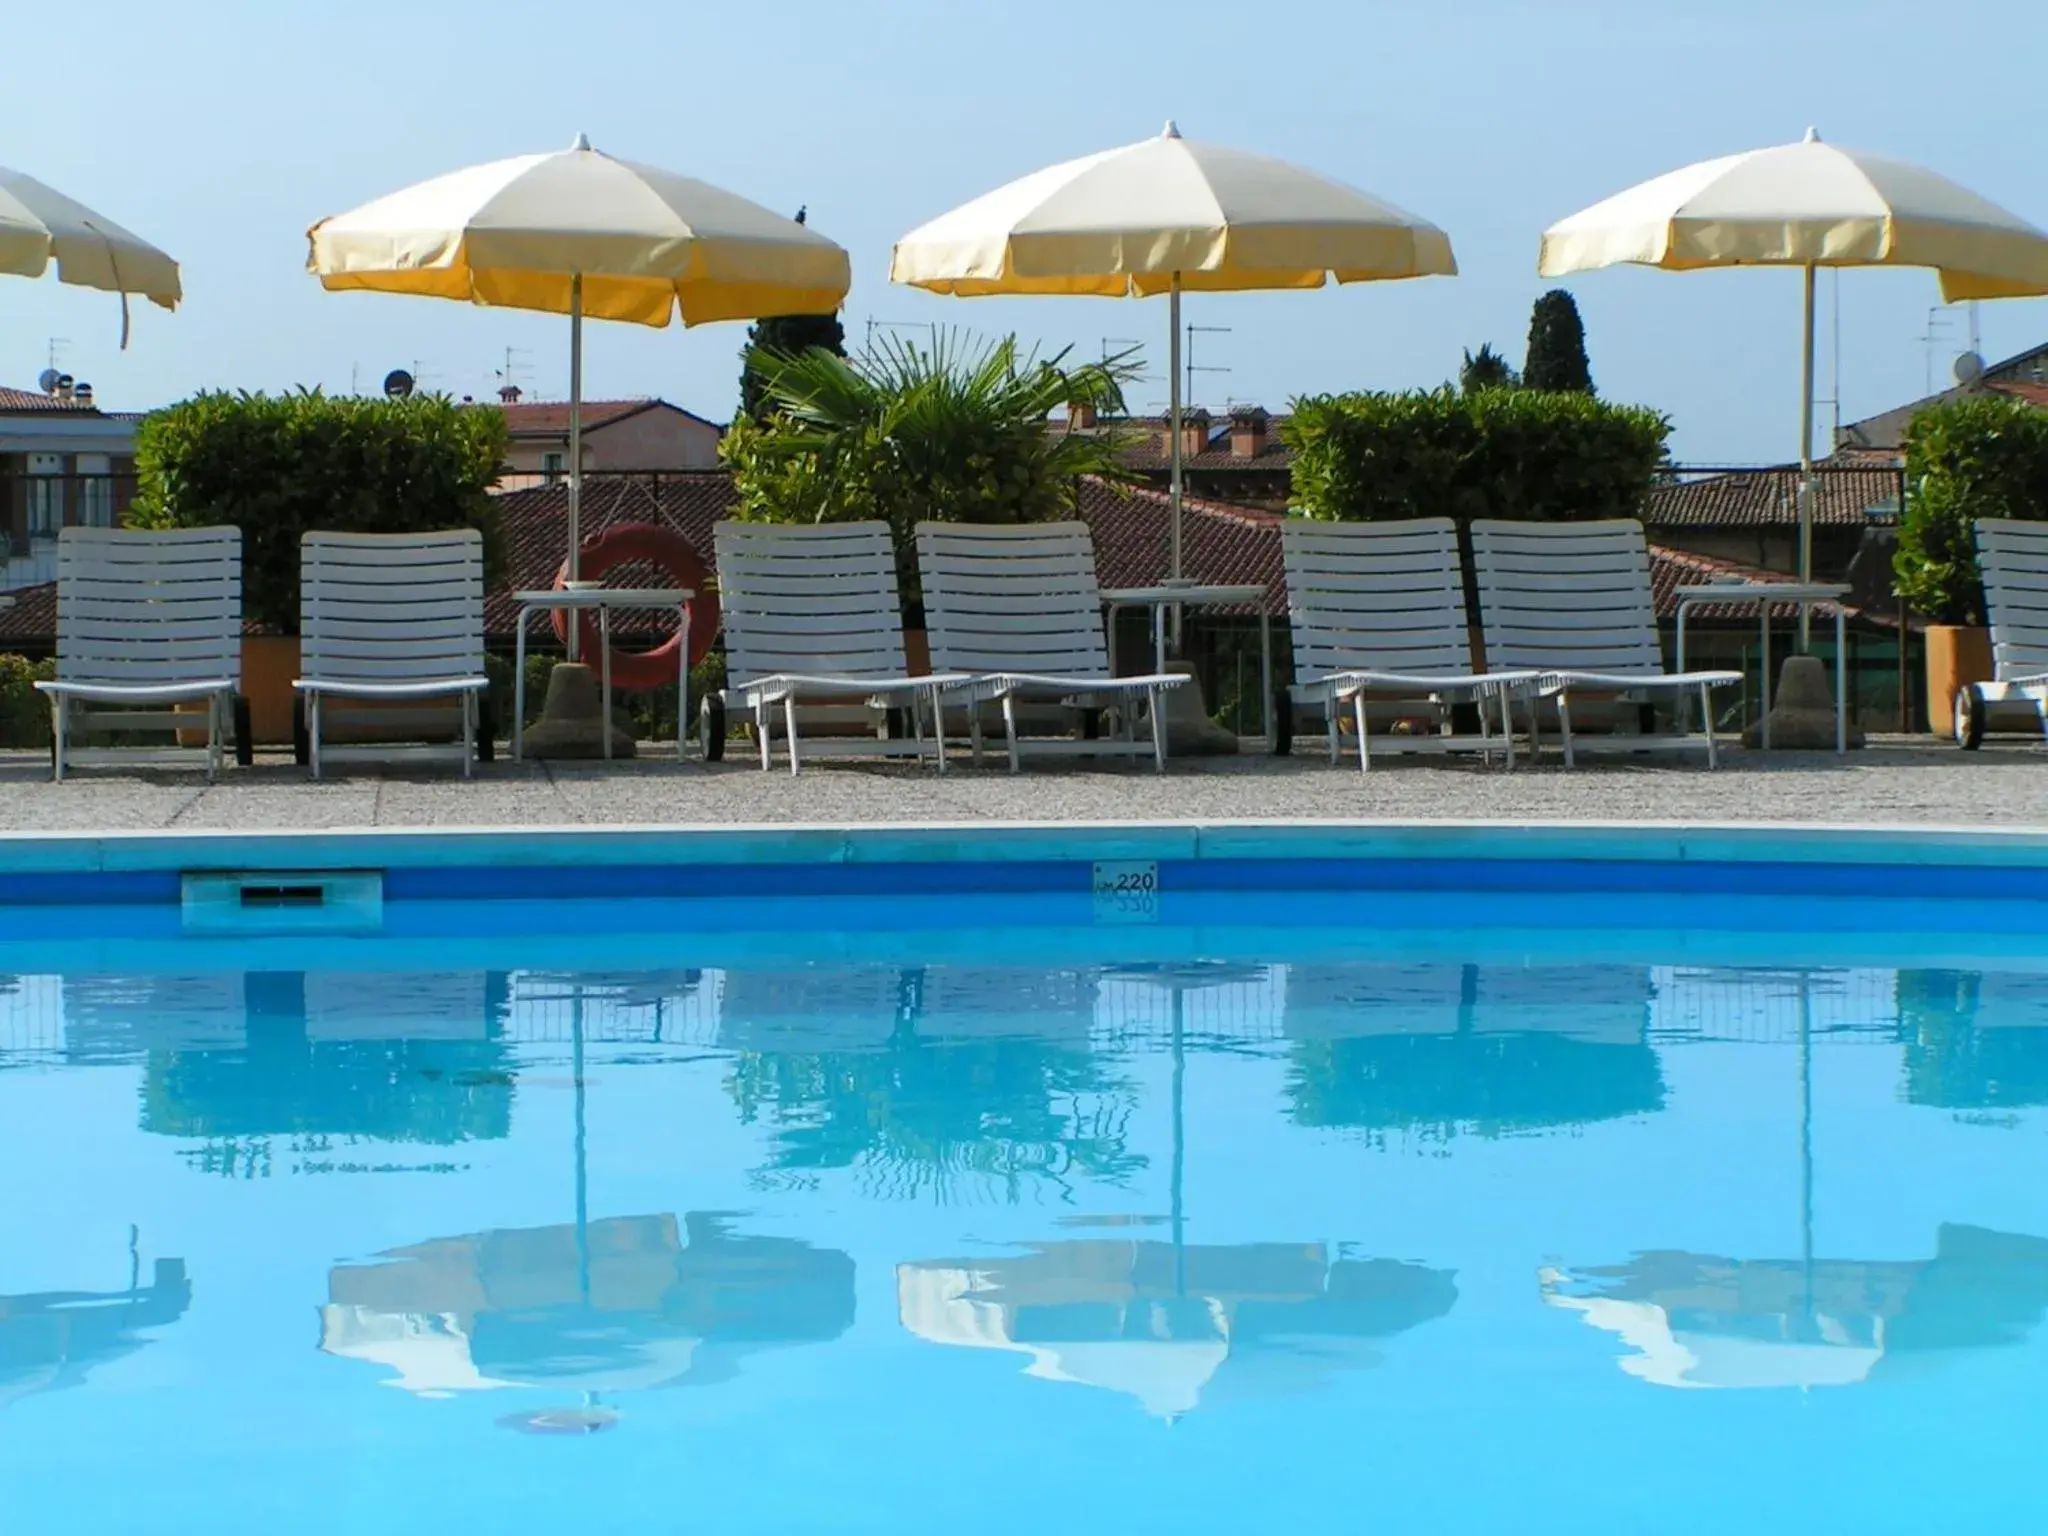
(609, 1305)
(1700, 1321)
(1159, 1321)
(1163, 1323)
(51, 1340)
(624, 1304)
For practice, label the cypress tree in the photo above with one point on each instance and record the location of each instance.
(1557, 346)
(787, 335)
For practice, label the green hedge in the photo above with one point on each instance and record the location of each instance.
(1508, 453)
(24, 713)
(1985, 456)
(278, 466)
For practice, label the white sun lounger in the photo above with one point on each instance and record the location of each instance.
(1018, 611)
(1573, 602)
(2013, 557)
(146, 621)
(812, 615)
(391, 619)
(1379, 609)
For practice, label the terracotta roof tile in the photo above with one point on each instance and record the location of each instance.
(1671, 569)
(531, 418)
(1768, 498)
(2033, 394)
(18, 400)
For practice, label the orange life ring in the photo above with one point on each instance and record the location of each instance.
(680, 566)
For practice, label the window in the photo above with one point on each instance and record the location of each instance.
(551, 465)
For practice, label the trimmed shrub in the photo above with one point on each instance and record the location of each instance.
(1984, 456)
(1534, 455)
(278, 466)
(24, 713)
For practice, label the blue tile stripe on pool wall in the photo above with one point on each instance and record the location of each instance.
(867, 862)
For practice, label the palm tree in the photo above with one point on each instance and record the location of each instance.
(955, 429)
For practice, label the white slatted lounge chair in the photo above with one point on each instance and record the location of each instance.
(1379, 608)
(2013, 557)
(1019, 611)
(392, 619)
(812, 615)
(146, 621)
(1573, 602)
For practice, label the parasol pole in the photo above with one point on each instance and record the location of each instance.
(1173, 449)
(1806, 464)
(575, 442)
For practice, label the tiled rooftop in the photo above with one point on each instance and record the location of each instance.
(14, 401)
(1766, 498)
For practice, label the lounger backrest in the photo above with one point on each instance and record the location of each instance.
(1375, 597)
(142, 608)
(1018, 599)
(2014, 558)
(811, 599)
(391, 607)
(1566, 597)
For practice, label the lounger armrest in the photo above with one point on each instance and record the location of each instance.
(138, 693)
(1636, 682)
(773, 690)
(430, 688)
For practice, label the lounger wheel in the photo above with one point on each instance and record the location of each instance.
(302, 743)
(711, 728)
(1970, 710)
(245, 734)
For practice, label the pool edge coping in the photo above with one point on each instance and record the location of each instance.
(1467, 839)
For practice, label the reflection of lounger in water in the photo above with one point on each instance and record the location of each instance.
(510, 1308)
(426, 1005)
(973, 1002)
(120, 1016)
(1699, 1321)
(1497, 1048)
(812, 1010)
(51, 1341)
(1161, 1324)
(1602, 1003)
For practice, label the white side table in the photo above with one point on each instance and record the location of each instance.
(1169, 595)
(604, 600)
(1764, 593)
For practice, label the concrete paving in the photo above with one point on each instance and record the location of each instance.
(1892, 781)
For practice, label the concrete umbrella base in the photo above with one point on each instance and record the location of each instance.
(572, 723)
(1802, 710)
(1189, 730)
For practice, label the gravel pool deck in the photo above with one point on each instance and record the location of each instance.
(1892, 781)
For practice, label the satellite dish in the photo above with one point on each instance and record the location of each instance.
(398, 383)
(47, 382)
(1969, 368)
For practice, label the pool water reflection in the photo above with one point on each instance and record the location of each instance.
(1416, 1244)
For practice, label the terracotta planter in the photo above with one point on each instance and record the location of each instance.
(1956, 654)
(270, 663)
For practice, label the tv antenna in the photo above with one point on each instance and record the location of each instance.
(515, 367)
(57, 346)
(1192, 367)
(1938, 323)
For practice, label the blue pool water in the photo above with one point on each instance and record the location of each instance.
(1455, 1213)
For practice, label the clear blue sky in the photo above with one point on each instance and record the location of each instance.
(222, 128)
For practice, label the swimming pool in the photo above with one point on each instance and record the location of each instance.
(1455, 1179)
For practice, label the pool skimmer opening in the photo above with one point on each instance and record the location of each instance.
(283, 901)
